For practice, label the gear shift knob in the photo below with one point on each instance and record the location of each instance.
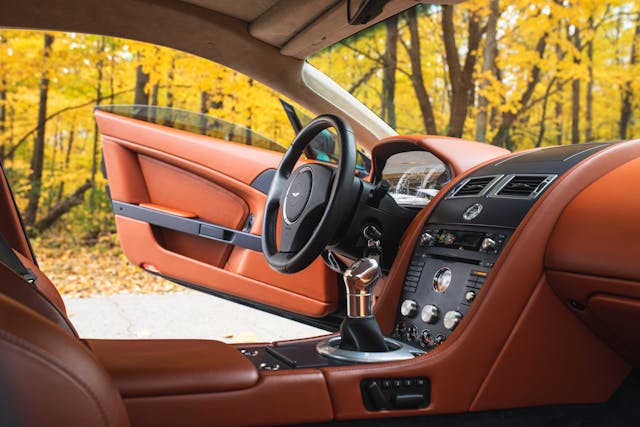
(360, 280)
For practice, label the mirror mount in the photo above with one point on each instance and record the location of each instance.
(366, 12)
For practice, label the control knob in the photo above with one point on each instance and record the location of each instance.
(470, 296)
(427, 239)
(409, 308)
(488, 244)
(451, 319)
(430, 314)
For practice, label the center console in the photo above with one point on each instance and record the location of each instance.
(448, 268)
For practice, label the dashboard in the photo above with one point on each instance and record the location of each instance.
(464, 236)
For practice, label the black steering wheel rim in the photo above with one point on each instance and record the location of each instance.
(339, 201)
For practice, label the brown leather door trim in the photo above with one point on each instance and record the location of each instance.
(142, 248)
(148, 163)
(170, 211)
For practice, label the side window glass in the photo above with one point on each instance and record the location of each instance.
(189, 121)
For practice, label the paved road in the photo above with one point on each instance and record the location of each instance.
(188, 314)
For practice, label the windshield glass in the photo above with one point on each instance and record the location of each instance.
(516, 74)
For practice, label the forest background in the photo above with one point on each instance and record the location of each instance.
(517, 74)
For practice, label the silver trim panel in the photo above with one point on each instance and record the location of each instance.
(330, 348)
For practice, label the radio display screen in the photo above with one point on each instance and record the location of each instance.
(467, 240)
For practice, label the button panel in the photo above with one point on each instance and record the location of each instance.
(450, 264)
(395, 393)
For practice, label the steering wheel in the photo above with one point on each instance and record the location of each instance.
(315, 199)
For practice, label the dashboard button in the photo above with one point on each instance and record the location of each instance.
(470, 296)
(451, 319)
(442, 279)
(425, 338)
(409, 308)
(427, 239)
(488, 244)
(412, 333)
(430, 314)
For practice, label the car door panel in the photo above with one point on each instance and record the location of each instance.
(207, 182)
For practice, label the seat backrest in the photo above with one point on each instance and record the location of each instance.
(30, 295)
(48, 377)
(43, 283)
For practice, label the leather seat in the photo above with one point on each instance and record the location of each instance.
(48, 376)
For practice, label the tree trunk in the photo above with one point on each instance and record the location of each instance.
(64, 206)
(37, 159)
(3, 116)
(417, 79)
(94, 148)
(488, 66)
(204, 108)
(170, 77)
(627, 99)
(390, 61)
(543, 119)
(575, 95)
(461, 77)
(154, 94)
(67, 157)
(588, 134)
(141, 96)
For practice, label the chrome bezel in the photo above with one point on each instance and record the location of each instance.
(485, 190)
(549, 178)
(330, 348)
(285, 217)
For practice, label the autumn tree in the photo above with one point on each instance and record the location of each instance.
(461, 74)
(37, 158)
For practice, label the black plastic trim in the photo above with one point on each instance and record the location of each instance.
(189, 225)
(262, 182)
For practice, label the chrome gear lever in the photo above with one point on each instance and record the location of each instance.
(359, 330)
(360, 280)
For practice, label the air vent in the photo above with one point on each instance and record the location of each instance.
(524, 186)
(474, 187)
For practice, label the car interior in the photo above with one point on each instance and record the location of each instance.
(503, 291)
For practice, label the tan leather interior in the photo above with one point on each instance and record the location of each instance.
(151, 164)
(10, 223)
(279, 398)
(615, 320)
(596, 272)
(173, 367)
(54, 379)
(461, 155)
(30, 295)
(502, 355)
(48, 377)
(500, 333)
(44, 285)
(608, 209)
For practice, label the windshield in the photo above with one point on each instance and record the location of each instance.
(516, 74)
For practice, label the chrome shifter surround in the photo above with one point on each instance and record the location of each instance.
(398, 351)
